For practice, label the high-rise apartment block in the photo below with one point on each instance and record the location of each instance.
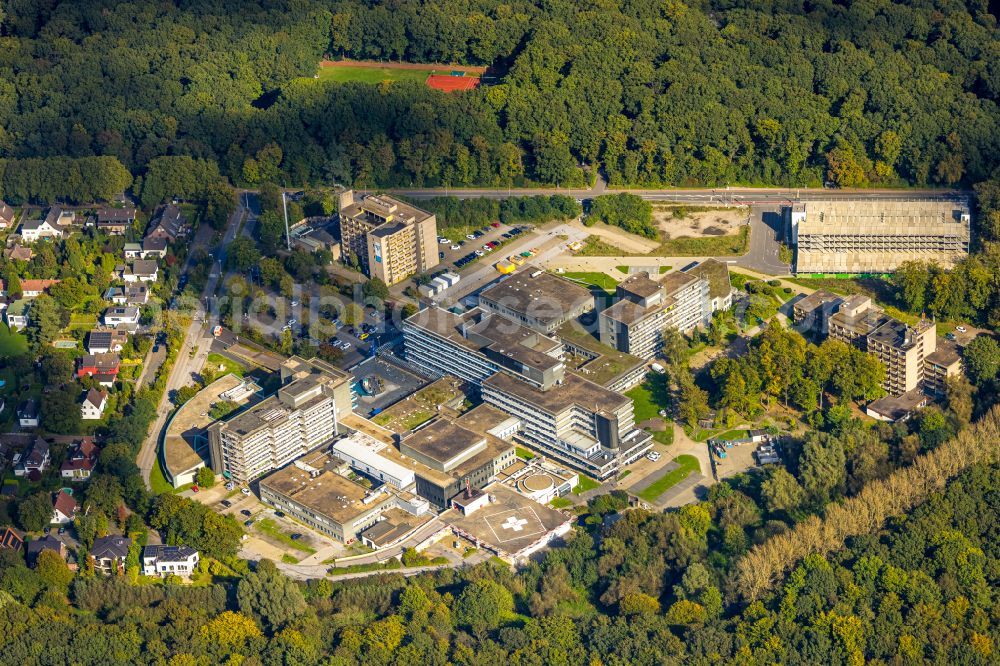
(647, 305)
(392, 240)
(876, 236)
(302, 415)
(902, 349)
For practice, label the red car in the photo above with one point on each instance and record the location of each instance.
(195, 489)
(495, 225)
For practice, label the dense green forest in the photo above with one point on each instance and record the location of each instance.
(709, 92)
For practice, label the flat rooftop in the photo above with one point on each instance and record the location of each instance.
(885, 218)
(385, 207)
(897, 334)
(640, 284)
(945, 355)
(814, 300)
(421, 405)
(443, 440)
(674, 282)
(482, 418)
(574, 390)
(607, 363)
(629, 312)
(716, 274)
(484, 330)
(494, 448)
(511, 523)
(180, 442)
(899, 406)
(325, 492)
(538, 294)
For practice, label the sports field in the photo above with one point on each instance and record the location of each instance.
(376, 72)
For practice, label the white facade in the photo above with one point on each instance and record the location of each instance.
(89, 411)
(362, 453)
(169, 561)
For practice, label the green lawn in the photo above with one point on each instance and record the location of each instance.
(342, 74)
(560, 503)
(688, 464)
(523, 454)
(586, 483)
(644, 405)
(268, 527)
(12, 344)
(624, 474)
(214, 360)
(157, 481)
(665, 437)
(594, 280)
(731, 435)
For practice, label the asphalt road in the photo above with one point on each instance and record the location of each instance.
(197, 335)
(765, 233)
(720, 196)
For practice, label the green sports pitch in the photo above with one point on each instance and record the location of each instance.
(345, 74)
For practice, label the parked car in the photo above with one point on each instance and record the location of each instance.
(454, 247)
(471, 236)
(62, 530)
(248, 523)
(296, 536)
(363, 336)
(195, 489)
(245, 491)
(246, 512)
(226, 503)
(279, 514)
(961, 329)
(495, 225)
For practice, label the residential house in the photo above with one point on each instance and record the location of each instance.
(154, 246)
(18, 253)
(16, 314)
(35, 230)
(127, 317)
(108, 554)
(115, 294)
(169, 560)
(64, 508)
(59, 218)
(47, 542)
(11, 539)
(96, 365)
(170, 225)
(80, 460)
(136, 294)
(30, 288)
(93, 405)
(27, 413)
(37, 459)
(115, 221)
(141, 270)
(132, 250)
(102, 341)
(6, 216)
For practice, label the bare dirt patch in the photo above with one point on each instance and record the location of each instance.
(678, 221)
(629, 243)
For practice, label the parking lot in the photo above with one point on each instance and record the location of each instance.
(269, 533)
(463, 252)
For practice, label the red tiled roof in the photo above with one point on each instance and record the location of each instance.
(65, 504)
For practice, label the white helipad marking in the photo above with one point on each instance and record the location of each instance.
(514, 523)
